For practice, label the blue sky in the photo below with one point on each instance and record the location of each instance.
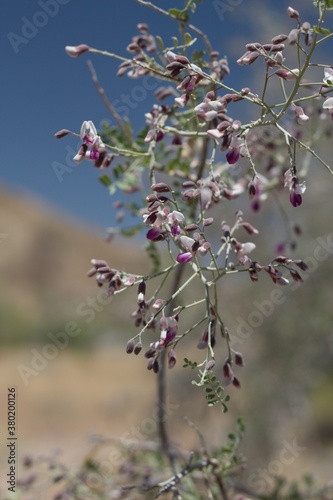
(44, 90)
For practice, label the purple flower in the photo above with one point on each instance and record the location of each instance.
(295, 199)
(90, 139)
(182, 258)
(232, 156)
(153, 234)
(169, 328)
(296, 189)
(155, 118)
(175, 218)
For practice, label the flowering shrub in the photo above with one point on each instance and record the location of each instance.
(193, 155)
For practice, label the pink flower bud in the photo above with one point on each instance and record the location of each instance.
(184, 257)
(293, 36)
(160, 187)
(239, 359)
(279, 38)
(286, 74)
(210, 365)
(61, 133)
(77, 50)
(171, 358)
(130, 346)
(236, 382)
(137, 348)
(293, 13)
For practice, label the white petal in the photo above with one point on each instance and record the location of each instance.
(187, 242)
(328, 104)
(328, 79)
(214, 133)
(248, 247)
(78, 158)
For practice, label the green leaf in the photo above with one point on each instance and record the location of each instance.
(105, 180)
(160, 42)
(224, 408)
(198, 57)
(181, 15)
(175, 41)
(187, 38)
(322, 31)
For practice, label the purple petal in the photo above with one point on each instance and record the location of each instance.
(184, 257)
(153, 233)
(94, 155)
(295, 199)
(175, 230)
(171, 333)
(232, 156)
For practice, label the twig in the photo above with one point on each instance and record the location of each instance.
(161, 380)
(107, 103)
(190, 26)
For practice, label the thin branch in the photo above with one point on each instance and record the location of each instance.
(190, 26)
(107, 103)
(304, 146)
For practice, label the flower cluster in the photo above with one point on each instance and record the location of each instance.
(92, 147)
(177, 64)
(140, 43)
(113, 278)
(296, 189)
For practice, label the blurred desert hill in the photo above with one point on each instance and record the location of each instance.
(287, 382)
(44, 258)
